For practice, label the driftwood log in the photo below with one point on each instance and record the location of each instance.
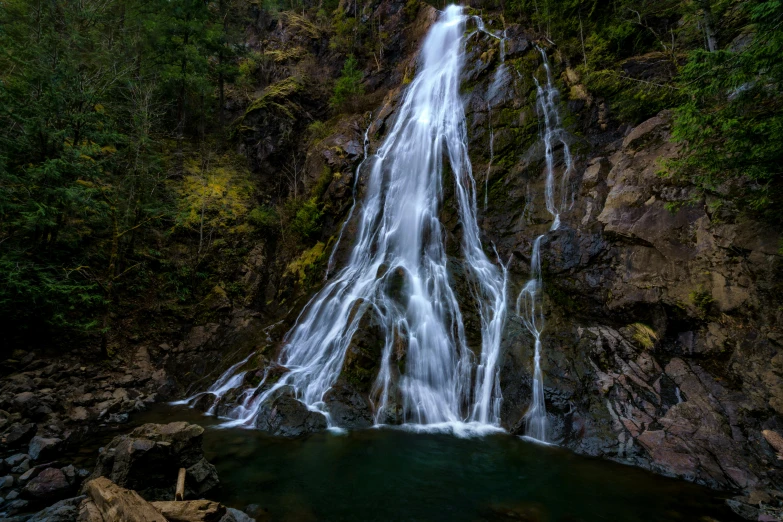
(112, 503)
(179, 493)
(191, 510)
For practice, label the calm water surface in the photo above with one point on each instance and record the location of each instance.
(388, 475)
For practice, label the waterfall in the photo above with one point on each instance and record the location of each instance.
(529, 302)
(397, 270)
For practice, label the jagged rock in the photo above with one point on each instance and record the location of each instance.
(114, 504)
(18, 434)
(41, 447)
(775, 440)
(744, 510)
(15, 506)
(26, 401)
(50, 484)
(149, 458)
(35, 471)
(63, 511)
(191, 510)
(15, 460)
(287, 417)
(348, 408)
(6, 482)
(235, 515)
(22, 468)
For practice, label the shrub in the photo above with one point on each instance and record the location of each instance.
(307, 221)
(349, 85)
(264, 217)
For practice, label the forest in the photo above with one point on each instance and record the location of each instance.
(121, 174)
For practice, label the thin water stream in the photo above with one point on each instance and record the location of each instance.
(529, 302)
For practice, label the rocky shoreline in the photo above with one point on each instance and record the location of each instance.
(49, 409)
(133, 480)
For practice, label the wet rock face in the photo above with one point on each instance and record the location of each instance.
(661, 346)
(348, 408)
(287, 417)
(149, 458)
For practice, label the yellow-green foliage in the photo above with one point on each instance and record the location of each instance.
(276, 97)
(643, 335)
(213, 195)
(307, 220)
(247, 69)
(300, 24)
(282, 55)
(298, 267)
(318, 130)
(264, 217)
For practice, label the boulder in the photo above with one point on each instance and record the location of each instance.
(21, 468)
(35, 471)
(149, 458)
(287, 417)
(41, 447)
(18, 434)
(15, 506)
(348, 409)
(191, 510)
(235, 515)
(6, 482)
(15, 460)
(108, 502)
(51, 484)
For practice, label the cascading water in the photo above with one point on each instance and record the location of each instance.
(494, 89)
(529, 306)
(400, 242)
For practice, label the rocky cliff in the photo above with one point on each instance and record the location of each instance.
(662, 346)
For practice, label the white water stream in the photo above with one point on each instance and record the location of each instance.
(529, 301)
(400, 241)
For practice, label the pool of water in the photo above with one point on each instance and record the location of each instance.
(390, 474)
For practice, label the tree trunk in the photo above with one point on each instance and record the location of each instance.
(181, 108)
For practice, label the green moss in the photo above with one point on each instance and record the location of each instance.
(276, 97)
(302, 267)
(701, 299)
(307, 220)
(643, 335)
(264, 217)
(324, 180)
